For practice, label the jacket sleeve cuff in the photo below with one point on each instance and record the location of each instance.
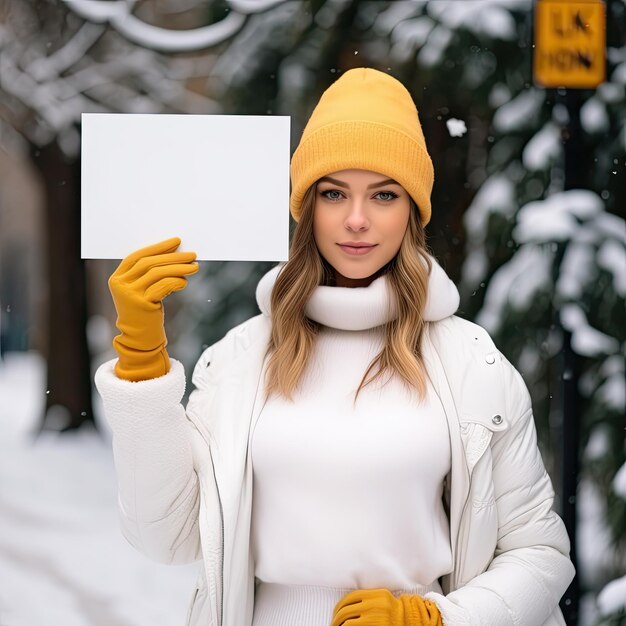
(509, 593)
(454, 614)
(146, 399)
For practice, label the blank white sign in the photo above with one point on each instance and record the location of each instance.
(219, 182)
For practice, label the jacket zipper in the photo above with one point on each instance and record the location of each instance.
(461, 522)
(467, 498)
(200, 428)
(219, 497)
(206, 438)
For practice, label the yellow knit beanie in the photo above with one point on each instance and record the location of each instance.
(365, 120)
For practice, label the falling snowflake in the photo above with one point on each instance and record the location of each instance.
(456, 128)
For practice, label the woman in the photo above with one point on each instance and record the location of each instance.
(356, 454)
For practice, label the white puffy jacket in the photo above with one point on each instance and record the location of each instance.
(185, 478)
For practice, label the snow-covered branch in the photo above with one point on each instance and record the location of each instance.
(45, 68)
(119, 15)
(45, 91)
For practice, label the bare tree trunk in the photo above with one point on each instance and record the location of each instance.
(69, 375)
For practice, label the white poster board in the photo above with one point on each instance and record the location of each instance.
(219, 182)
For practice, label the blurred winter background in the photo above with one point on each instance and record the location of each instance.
(529, 205)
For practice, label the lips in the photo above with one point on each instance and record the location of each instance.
(357, 244)
(356, 247)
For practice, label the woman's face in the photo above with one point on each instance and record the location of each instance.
(359, 220)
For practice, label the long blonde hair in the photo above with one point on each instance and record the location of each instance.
(293, 333)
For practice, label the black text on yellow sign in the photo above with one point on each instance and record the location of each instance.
(570, 43)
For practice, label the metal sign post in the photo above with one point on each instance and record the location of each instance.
(570, 54)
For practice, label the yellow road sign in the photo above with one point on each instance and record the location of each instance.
(570, 43)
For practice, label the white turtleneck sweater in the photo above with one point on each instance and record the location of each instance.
(347, 495)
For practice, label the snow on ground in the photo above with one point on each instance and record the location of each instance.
(63, 559)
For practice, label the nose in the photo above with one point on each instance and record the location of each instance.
(356, 220)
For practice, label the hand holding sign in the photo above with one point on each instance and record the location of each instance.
(138, 286)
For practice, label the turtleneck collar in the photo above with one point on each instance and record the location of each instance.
(360, 308)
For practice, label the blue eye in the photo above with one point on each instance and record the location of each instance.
(328, 191)
(387, 193)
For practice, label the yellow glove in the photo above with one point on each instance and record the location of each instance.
(138, 286)
(379, 607)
